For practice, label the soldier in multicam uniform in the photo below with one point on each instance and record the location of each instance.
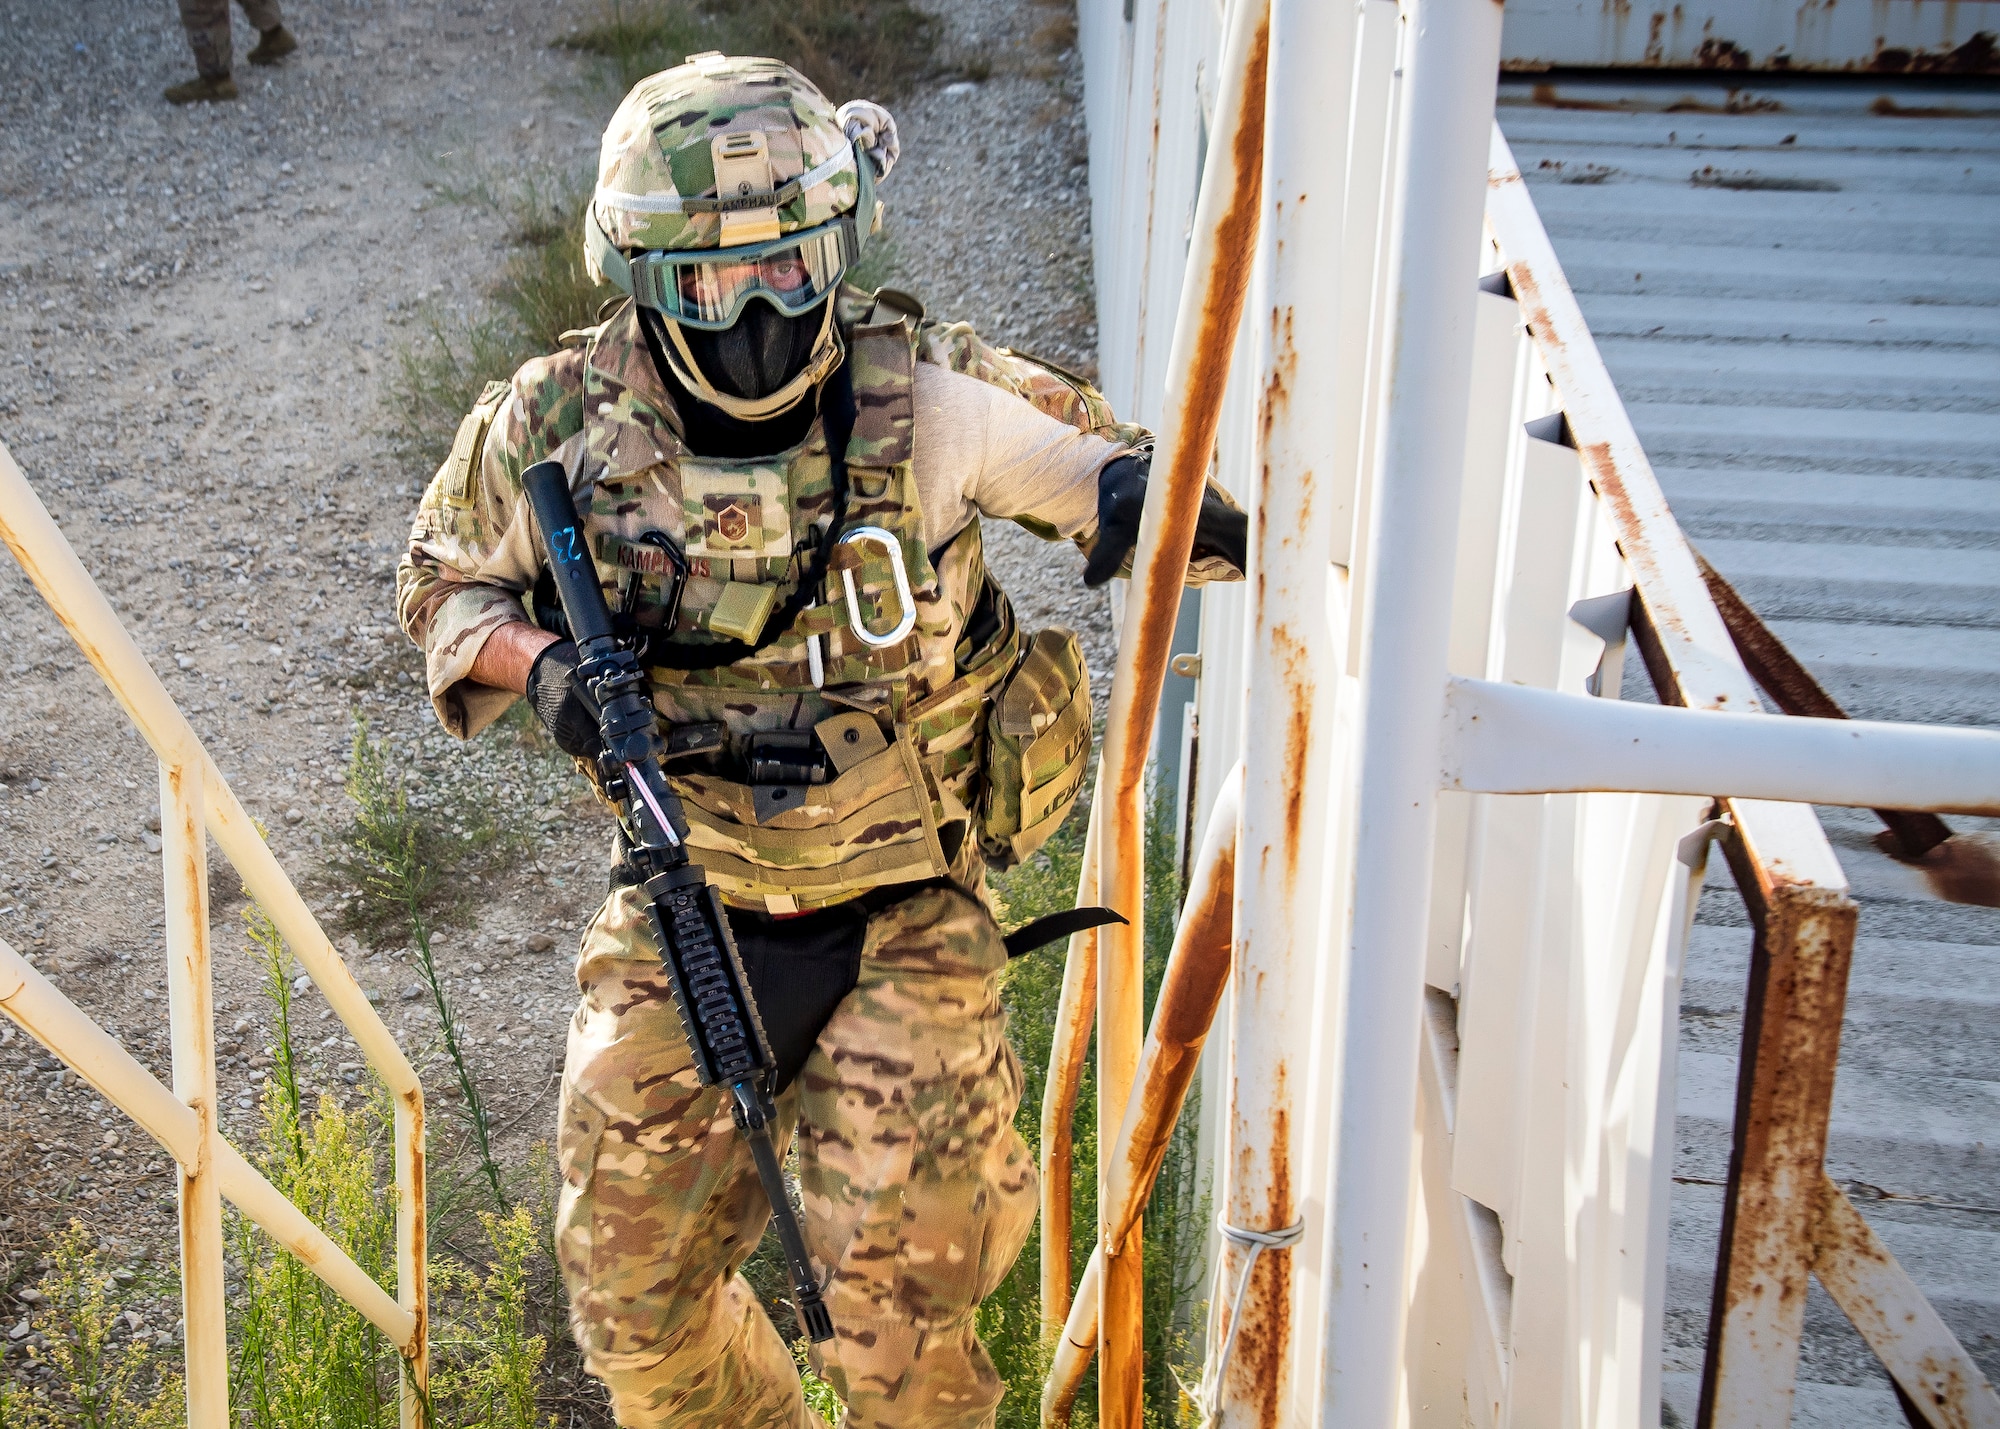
(784, 477)
(207, 26)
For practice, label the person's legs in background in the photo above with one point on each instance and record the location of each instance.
(207, 26)
(274, 40)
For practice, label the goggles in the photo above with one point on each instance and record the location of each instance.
(707, 288)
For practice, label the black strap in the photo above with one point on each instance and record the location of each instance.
(1043, 931)
(1024, 939)
(838, 410)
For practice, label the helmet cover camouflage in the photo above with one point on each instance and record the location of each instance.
(656, 184)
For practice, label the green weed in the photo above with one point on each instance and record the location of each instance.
(401, 865)
(102, 1374)
(486, 1366)
(640, 39)
(1176, 1216)
(302, 1358)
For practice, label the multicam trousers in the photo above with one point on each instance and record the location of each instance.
(207, 26)
(918, 1192)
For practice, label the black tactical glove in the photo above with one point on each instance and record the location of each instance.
(565, 711)
(1219, 530)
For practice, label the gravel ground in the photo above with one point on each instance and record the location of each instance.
(199, 312)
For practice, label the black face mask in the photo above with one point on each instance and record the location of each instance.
(710, 431)
(758, 353)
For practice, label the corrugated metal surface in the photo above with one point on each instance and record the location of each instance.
(1801, 308)
(1884, 36)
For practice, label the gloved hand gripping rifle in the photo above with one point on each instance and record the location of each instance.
(710, 991)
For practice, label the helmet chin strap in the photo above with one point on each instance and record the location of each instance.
(827, 354)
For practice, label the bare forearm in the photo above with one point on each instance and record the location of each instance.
(508, 654)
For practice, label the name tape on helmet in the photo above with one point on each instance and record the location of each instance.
(743, 187)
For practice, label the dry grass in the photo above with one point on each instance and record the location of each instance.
(1056, 34)
(849, 48)
(541, 292)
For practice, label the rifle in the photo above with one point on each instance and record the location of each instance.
(711, 993)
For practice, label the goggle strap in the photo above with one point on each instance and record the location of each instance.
(610, 262)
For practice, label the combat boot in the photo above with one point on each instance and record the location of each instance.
(202, 91)
(275, 44)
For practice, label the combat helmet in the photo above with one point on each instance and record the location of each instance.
(730, 202)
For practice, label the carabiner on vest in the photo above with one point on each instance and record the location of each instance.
(908, 619)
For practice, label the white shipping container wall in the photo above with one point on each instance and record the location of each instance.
(1881, 37)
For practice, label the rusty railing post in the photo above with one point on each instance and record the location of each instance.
(1804, 923)
(1288, 737)
(412, 1257)
(1936, 1381)
(1196, 977)
(1076, 1015)
(1205, 326)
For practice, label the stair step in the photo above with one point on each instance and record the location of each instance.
(1814, 1406)
(1950, 1255)
(1916, 1135)
(1917, 1008)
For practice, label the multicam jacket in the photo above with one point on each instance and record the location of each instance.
(904, 719)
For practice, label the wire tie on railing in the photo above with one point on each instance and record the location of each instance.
(1257, 1242)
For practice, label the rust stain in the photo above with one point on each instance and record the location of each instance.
(1190, 994)
(1263, 1347)
(1298, 742)
(1964, 868)
(1737, 101)
(1887, 108)
(1716, 53)
(1223, 286)
(417, 1352)
(1549, 97)
(1978, 55)
(1791, 1046)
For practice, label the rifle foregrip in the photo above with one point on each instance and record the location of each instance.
(546, 485)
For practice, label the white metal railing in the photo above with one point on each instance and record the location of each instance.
(195, 804)
(1465, 869)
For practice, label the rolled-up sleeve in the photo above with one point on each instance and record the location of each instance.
(471, 558)
(981, 450)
